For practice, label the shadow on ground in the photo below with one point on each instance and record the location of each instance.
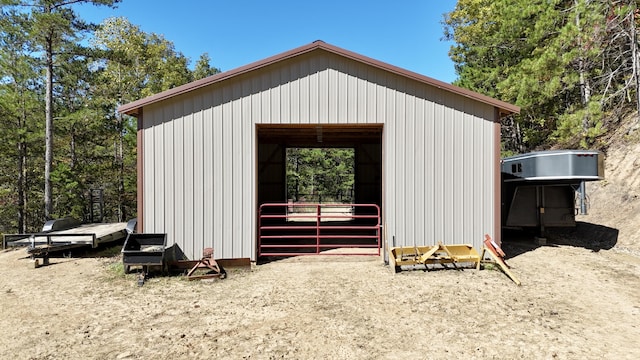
(586, 235)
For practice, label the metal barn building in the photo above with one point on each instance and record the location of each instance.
(211, 152)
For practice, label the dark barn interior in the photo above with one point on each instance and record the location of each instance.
(277, 229)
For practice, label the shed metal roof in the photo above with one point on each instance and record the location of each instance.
(133, 108)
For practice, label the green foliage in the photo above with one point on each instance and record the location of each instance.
(140, 64)
(53, 28)
(94, 147)
(69, 197)
(21, 110)
(548, 57)
(137, 65)
(320, 174)
(116, 268)
(570, 126)
(203, 68)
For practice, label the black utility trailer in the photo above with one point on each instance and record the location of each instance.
(144, 250)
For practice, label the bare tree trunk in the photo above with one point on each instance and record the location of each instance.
(22, 167)
(511, 134)
(121, 208)
(585, 89)
(22, 161)
(519, 137)
(635, 53)
(48, 155)
(72, 149)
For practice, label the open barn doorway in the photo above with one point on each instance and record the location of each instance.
(332, 208)
(320, 175)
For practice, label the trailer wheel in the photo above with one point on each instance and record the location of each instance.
(127, 269)
(223, 272)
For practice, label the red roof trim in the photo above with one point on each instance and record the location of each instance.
(133, 107)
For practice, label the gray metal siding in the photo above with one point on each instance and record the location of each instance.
(200, 152)
(439, 183)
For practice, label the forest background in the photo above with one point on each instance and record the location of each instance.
(573, 67)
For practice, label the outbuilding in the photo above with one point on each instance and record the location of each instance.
(211, 152)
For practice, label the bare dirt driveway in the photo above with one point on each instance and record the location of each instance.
(574, 303)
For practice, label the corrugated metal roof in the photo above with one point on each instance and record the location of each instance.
(133, 108)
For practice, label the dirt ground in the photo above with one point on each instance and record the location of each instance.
(574, 303)
(579, 299)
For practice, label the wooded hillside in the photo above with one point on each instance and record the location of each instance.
(62, 81)
(571, 65)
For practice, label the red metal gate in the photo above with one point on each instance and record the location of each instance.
(311, 229)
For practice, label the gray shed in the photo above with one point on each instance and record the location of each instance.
(212, 151)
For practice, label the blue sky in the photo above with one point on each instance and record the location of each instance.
(407, 34)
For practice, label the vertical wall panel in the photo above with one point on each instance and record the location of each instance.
(188, 194)
(247, 237)
(438, 169)
(285, 96)
(400, 120)
(339, 91)
(177, 220)
(274, 94)
(370, 103)
(460, 174)
(323, 89)
(159, 170)
(236, 160)
(207, 170)
(465, 199)
(351, 93)
(381, 100)
(420, 184)
(151, 121)
(265, 97)
(333, 94)
(305, 97)
(390, 166)
(360, 90)
(256, 98)
(471, 167)
(313, 92)
(227, 161)
(411, 156)
(294, 95)
(167, 225)
(488, 163)
(198, 221)
(219, 152)
(448, 173)
(430, 171)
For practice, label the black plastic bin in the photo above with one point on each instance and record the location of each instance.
(144, 250)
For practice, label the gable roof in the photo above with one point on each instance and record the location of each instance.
(133, 108)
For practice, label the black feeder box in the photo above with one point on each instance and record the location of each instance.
(144, 250)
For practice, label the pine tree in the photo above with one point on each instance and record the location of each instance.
(20, 112)
(53, 26)
(203, 68)
(138, 65)
(540, 55)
